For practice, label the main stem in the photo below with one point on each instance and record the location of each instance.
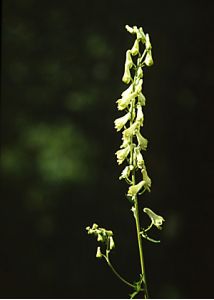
(140, 246)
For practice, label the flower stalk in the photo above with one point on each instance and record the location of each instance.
(131, 150)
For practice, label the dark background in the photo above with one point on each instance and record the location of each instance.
(62, 63)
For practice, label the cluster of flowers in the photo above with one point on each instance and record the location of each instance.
(132, 100)
(104, 236)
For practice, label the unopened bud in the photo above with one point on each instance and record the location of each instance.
(99, 253)
(149, 60)
(135, 48)
(99, 238)
(111, 243)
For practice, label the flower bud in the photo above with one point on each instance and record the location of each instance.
(99, 253)
(129, 29)
(135, 48)
(99, 238)
(149, 60)
(140, 116)
(148, 44)
(126, 76)
(129, 62)
(109, 232)
(95, 226)
(111, 243)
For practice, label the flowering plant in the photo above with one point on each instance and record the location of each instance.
(132, 101)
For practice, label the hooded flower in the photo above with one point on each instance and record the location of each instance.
(139, 158)
(126, 172)
(122, 154)
(142, 141)
(127, 133)
(142, 99)
(140, 116)
(141, 35)
(123, 102)
(134, 189)
(128, 91)
(140, 72)
(120, 122)
(138, 86)
(147, 179)
(156, 219)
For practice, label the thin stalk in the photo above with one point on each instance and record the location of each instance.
(117, 274)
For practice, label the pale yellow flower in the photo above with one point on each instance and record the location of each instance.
(123, 102)
(156, 219)
(142, 141)
(142, 99)
(138, 86)
(141, 35)
(140, 72)
(120, 122)
(122, 154)
(126, 142)
(128, 91)
(147, 179)
(134, 189)
(127, 133)
(126, 172)
(139, 158)
(138, 31)
(140, 117)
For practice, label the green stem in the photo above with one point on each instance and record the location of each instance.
(140, 247)
(136, 214)
(116, 273)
